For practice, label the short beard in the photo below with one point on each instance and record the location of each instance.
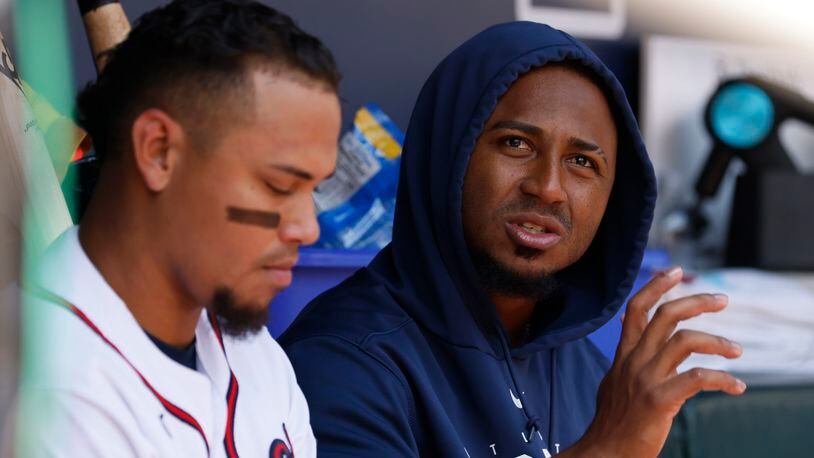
(237, 320)
(497, 278)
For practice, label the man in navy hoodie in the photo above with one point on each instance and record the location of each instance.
(524, 204)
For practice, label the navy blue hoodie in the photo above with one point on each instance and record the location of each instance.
(408, 356)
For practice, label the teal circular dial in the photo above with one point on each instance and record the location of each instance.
(741, 115)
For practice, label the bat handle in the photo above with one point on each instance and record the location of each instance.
(106, 25)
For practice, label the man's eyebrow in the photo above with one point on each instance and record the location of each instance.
(293, 171)
(517, 125)
(587, 146)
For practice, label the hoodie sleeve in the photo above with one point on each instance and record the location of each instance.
(359, 407)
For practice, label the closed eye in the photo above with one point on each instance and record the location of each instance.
(279, 191)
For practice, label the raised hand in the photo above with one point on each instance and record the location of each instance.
(643, 392)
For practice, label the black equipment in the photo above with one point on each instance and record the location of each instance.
(772, 224)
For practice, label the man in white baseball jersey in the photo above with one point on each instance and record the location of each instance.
(214, 122)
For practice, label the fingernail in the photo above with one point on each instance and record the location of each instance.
(740, 385)
(736, 346)
(674, 272)
(721, 298)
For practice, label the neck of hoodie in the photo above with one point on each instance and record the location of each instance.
(515, 312)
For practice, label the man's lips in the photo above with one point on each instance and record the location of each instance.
(535, 231)
(280, 274)
(547, 223)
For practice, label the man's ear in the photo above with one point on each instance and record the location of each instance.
(157, 141)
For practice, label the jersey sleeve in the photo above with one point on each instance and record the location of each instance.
(359, 407)
(63, 423)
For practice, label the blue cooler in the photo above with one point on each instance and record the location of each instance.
(321, 269)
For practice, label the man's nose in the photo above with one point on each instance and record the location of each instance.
(544, 181)
(300, 224)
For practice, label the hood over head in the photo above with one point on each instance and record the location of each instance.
(427, 267)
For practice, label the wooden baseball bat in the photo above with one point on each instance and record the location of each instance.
(106, 25)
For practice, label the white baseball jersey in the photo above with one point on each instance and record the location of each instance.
(107, 390)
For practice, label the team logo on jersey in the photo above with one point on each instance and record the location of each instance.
(279, 449)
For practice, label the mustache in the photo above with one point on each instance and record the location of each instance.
(276, 256)
(532, 205)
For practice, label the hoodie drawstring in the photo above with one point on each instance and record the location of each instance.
(535, 424)
(552, 411)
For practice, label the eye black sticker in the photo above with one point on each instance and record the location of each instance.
(269, 220)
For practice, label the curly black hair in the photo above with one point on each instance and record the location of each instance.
(191, 58)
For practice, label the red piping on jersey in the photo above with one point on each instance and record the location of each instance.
(231, 397)
(290, 444)
(173, 409)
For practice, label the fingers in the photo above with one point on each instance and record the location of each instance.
(685, 342)
(689, 383)
(638, 307)
(668, 316)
